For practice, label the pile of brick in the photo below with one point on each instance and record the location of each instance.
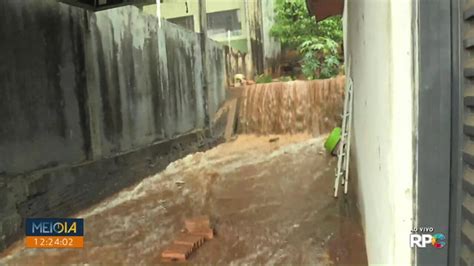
(197, 231)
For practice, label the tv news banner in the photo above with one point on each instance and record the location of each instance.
(54, 233)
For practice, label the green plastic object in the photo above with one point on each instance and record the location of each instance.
(333, 139)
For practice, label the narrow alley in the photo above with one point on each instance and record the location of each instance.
(123, 120)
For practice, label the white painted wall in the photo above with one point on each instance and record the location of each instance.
(380, 48)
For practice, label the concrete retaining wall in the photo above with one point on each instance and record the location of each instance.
(148, 81)
(216, 75)
(78, 88)
(79, 85)
(43, 85)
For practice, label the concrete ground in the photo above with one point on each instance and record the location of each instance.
(271, 203)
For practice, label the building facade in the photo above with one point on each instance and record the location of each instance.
(227, 21)
(241, 24)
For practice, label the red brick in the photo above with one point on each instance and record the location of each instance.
(193, 241)
(197, 223)
(176, 252)
(207, 233)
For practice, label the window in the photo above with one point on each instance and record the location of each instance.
(219, 23)
(186, 22)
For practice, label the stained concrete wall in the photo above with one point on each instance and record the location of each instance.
(42, 81)
(255, 35)
(216, 75)
(98, 83)
(81, 87)
(380, 58)
(147, 82)
(271, 45)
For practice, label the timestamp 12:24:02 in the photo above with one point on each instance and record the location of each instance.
(54, 242)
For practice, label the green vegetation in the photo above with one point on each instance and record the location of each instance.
(319, 43)
(263, 79)
(285, 78)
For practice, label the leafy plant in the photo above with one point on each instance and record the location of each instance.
(263, 79)
(285, 78)
(318, 43)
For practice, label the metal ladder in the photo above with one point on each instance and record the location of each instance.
(344, 149)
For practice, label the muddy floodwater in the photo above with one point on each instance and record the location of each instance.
(271, 203)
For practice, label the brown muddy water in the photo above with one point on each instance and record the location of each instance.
(292, 107)
(271, 203)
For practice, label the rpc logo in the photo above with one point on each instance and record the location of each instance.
(422, 240)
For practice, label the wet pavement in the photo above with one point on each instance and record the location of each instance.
(270, 202)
